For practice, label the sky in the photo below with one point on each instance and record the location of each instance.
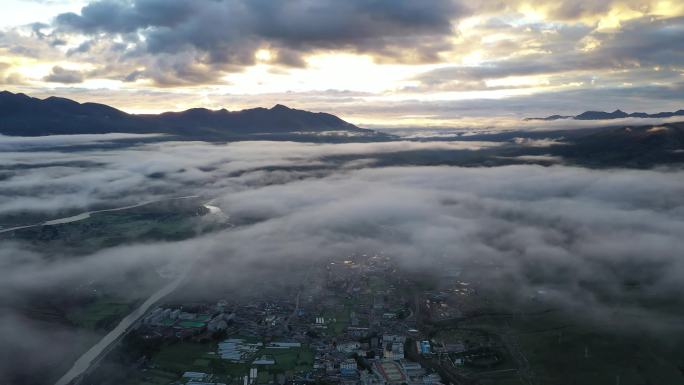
(375, 63)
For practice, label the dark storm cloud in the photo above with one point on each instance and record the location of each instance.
(204, 38)
(647, 41)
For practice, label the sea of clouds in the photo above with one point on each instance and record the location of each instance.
(576, 234)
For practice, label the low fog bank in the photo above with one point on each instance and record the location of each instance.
(15, 143)
(55, 182)
(496, 125)
(604, 245)
(581, 237)
(562, 230)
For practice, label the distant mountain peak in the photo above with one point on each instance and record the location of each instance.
(281, 107)
(617, 114)
(22, 115)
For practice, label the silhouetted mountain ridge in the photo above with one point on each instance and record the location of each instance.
(22, 115)
(617, 114)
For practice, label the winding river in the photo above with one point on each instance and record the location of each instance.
(99, 350)
(87, 214)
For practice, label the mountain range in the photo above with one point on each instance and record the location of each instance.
(617, 114)
(22, 115)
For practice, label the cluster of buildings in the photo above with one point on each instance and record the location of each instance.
(393, 347)
(198, 378)
(182, 324)
(238, 350)
(379, 360)
(358, 328)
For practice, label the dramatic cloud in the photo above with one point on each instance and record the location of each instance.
(179, 42)
(651, 43)
(356, 57)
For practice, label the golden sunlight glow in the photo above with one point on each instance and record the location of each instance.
(527, 36)
(325, 71)
(473, 58)
(589, 43)
(532, 13)
(30, 68)
(668, 8)
(618, 15)
(263, 55)
(519, 81)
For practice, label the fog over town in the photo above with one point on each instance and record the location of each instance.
(568, 235)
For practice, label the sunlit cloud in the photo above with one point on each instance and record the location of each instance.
(443, 51)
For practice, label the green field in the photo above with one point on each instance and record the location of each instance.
(156, 377)
(172, 360)
(181, 357)
(290, 360)
(562, 352)
(191, 324)
(165, 220)
(102, 314)
(581, 357)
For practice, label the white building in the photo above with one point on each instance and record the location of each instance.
(393, 351)
(237, 350)
(349, 347)
(349, 363)
(392, 338)
(432, 379)
(217, 323)
(195, 376)
(186, 316)
(348, 367)
(264, 360)
(284, 345)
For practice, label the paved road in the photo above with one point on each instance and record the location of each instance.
(96, 352)
(92, 355)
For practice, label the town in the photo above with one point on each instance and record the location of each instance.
(359, 320)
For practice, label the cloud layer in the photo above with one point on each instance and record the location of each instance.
(532, 221)
(579, 240)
